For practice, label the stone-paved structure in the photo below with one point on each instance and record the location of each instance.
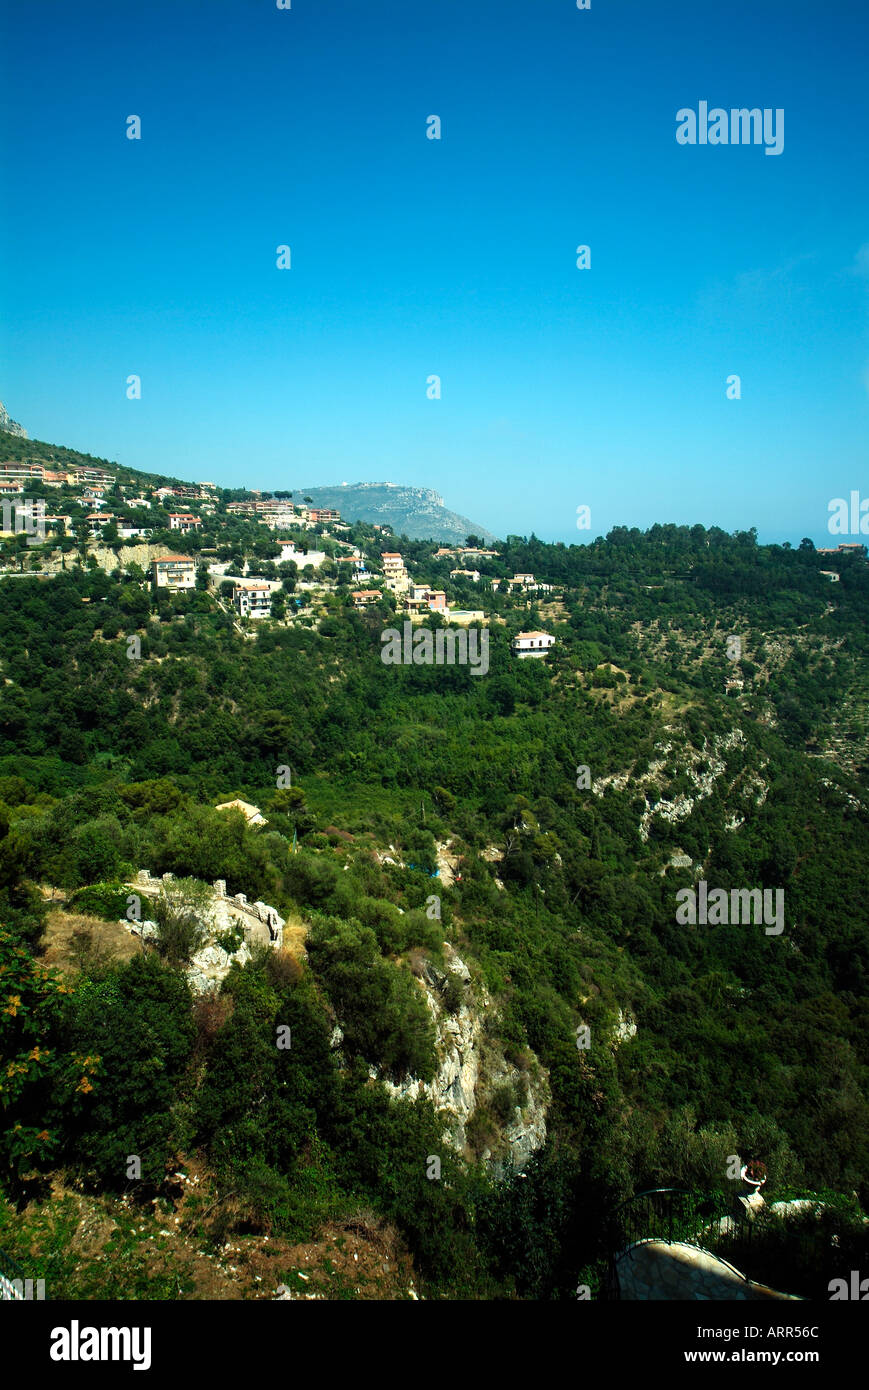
(261, 925)
(656, 1270)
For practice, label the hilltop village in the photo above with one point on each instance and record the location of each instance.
(258, 555)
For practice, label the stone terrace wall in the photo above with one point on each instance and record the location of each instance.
(262, 925)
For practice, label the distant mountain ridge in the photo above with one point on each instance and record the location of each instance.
(416, 512)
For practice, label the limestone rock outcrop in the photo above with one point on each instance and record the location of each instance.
(9, 425)
(472, 1070)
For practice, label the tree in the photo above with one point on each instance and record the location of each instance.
(137, 1022)
(184, 913)
(382, 1014)
(42, 1081)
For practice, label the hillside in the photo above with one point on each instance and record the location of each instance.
(416, 512)
(489, 967)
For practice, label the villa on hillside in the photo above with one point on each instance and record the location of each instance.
(532, 644)
(80, 476)
(252, 600)
(183, 521)
(422, 597)
(356, 562)
(397, 580)
(174, 572)
(463, 552)
(848, 548)
(527, 584)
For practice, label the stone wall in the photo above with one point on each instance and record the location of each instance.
(262, 926)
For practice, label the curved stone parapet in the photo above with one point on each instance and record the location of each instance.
(655, 1270)
(261, 923)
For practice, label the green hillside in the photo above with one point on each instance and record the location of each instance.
(743, 768)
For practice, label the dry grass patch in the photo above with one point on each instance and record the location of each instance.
(75, 941)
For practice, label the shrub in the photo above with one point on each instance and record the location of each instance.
(231, 939)
(107, 901)
(184, 917)
(503, 1102)
(453, 994)
(382, 1013)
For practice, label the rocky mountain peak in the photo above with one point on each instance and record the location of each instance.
(9, 425)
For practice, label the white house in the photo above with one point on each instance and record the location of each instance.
(301, 558)
(174, 572)
(532, 643)
(253, 600)
(183, 521)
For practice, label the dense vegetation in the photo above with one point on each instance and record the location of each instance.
(746, 1043)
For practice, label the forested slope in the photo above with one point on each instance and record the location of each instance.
(746, 773)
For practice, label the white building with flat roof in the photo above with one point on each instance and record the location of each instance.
(174, 572)
(532, 643)
(253, 600)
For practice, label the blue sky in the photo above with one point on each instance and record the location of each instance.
(412, 257)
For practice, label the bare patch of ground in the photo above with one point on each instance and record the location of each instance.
(101, 1247)
(73, 938)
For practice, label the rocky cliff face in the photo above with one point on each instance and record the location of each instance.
(9, 425)
(712, 759)
(474, 1078)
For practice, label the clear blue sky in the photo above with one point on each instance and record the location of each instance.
(412, 257)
